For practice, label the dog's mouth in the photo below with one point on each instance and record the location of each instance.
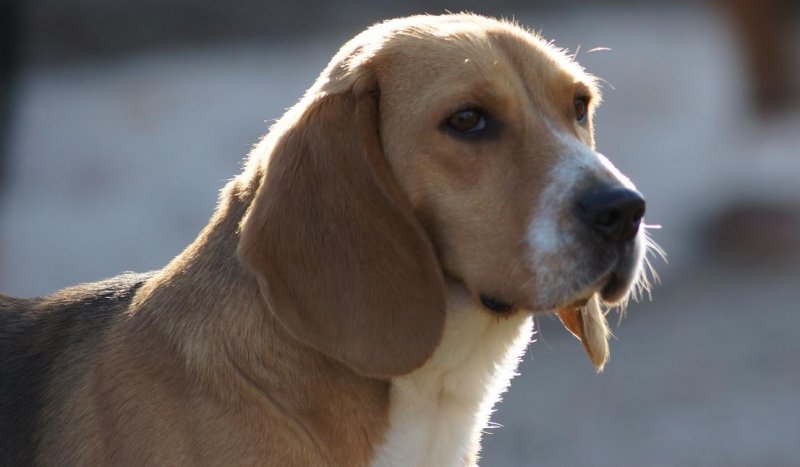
(615, 289)
(495, 305)
(614, 284)
(610, 288)
(585, 319)
(576, 305)
(582, 313)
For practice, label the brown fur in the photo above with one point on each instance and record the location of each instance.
(271, 339)
(326, 221)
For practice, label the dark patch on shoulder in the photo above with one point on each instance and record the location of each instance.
(33, 334)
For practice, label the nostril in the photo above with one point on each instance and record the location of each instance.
(607, 218)
(614, 213)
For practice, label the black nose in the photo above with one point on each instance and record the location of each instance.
(615, 213)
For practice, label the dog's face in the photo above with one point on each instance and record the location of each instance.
(431, 149)
(489, 132)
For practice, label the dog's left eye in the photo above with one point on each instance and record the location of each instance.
(467, 121)
(581, 104)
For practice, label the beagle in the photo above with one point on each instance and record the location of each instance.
(365, 288)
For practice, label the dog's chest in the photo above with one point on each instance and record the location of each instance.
(438, 411)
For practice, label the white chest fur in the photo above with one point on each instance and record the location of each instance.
(438, 411)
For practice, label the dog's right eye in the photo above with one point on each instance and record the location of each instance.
(581, 104)
(467, 121)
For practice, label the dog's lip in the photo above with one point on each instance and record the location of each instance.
(581, 299)
(616, 284)
(613, 285)
(610, 288)
(577, 304)
(494, 304)
(607, 287)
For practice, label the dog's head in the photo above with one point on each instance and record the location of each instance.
(431, 149)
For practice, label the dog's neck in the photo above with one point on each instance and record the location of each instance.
(438, 411)
(205, 290)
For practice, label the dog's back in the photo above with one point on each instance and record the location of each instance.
(44, 342)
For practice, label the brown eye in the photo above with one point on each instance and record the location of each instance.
(581, 107)
(467, 121)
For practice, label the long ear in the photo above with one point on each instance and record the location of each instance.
(589, 325)
(340, 258)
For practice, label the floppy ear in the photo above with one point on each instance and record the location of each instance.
(340, 258)
(589, 325)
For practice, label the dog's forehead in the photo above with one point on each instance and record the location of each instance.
(420, 53)
(467, 50)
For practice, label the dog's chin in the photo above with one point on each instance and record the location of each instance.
(612, 287)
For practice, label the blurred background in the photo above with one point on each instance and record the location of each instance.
(120, 121)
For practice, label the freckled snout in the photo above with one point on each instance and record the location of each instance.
(615, 213)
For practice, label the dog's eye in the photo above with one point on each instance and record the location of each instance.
(467, 121)
(581, 104)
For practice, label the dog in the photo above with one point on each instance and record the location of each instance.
(365, 287)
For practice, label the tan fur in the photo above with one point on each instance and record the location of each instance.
(271, 340)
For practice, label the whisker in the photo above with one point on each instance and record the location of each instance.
(577, 51)
(647, 277)
(606, 82)
(652, 270)
(652, 246)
